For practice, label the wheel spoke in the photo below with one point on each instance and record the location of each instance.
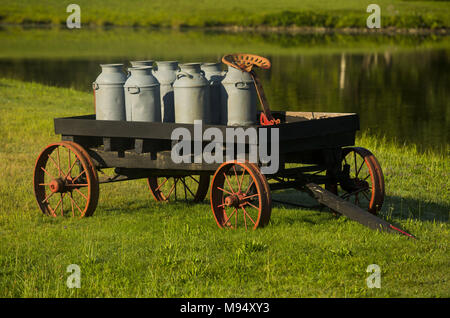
(360, 167)
(176, 181)
(70, 169)
(171, 190)
(223, 190)
(81, 193)
(226, 178)
(74, 202)
(242, 179)
(249, 196)
(186, 187)
(59, 162)
(59, 202)
(48, 197)
(252, 205)
(68, 157)
(246, 213)
(229, 217)
(365, 194)
(56, 164)
(349, 194)
(75, 179)
(249, 186)
(162, 183)
(237, 179)
(48, 173)
(198, 182)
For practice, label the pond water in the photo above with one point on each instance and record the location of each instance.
(400, 94)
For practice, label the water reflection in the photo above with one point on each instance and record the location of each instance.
(403, 95)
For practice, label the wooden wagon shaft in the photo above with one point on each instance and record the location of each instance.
(352, 211)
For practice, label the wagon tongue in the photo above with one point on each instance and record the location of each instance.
(352, 211)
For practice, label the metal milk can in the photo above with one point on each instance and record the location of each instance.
(165, 74)
(142, 63)
(142, 100)
(238, 96)
(191, 92)
(214, 75)
(108, 92)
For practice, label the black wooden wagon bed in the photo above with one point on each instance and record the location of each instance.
(316, 156)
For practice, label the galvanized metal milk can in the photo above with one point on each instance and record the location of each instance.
(238, 97)
(191, 90)
(215, 75)
(142, 100)
(142, 63)
(165, 74)
(108, 92)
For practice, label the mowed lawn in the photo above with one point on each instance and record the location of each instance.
(207, 13)
(136, 247)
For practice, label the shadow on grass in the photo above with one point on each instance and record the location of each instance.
(393, 206)
(409, 208)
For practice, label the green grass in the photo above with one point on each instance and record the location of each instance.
(194, 13)
(135, 247)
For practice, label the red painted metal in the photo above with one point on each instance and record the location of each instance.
(53, 176)
(373, 182)
(239, 191)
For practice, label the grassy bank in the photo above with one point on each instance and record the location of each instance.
(62, 43)
(133, 246)
(192, 13)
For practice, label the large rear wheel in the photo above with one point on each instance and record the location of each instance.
(361, 181)
(179, 188)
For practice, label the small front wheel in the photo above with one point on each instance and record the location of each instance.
(65, 181)
(240, 196)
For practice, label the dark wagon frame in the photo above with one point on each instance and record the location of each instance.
(317, 156)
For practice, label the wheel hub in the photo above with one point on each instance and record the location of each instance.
(232, 200)
(56, 185)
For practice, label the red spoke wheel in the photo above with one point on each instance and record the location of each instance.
(362, 180)
(240, 196)
(179, 188)
(65, 181)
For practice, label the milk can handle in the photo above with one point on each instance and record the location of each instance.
(241, 85)
(95, 85)
(181, 74)
(133, 90)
